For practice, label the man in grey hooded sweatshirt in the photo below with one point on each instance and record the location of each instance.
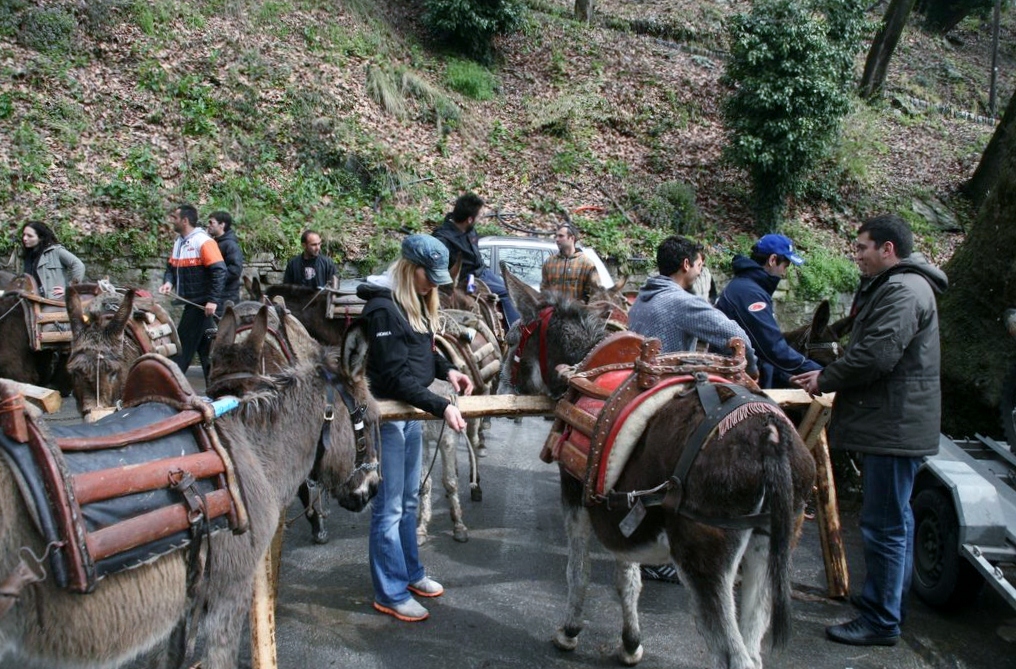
(667, 310)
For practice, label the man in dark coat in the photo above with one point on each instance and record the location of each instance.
(748, 301)
(220, 227)
(458, 233)
(888, 408)
(310, 268)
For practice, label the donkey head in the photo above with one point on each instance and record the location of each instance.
(553, 331)
(352, 478)
(819, 340)
(235, 366)
(99, 358)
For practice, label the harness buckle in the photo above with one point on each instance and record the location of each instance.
(329, 412)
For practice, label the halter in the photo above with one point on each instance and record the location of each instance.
(526, 331)
(357, 416)
(804, 343)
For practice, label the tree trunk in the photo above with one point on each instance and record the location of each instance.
(977, 351)
(584, 10)
(877, 65)
(986, 174)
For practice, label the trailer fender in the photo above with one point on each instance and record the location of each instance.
(978, 507)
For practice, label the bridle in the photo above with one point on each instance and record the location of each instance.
(541, 324)
(804, 344)
(357, 418)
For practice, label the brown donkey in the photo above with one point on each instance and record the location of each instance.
(730, 505)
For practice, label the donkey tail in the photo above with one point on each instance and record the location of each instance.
(776, 443)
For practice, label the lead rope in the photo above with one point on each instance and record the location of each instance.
(16, 305)
(453, 399)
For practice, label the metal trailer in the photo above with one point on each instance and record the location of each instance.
(964, 506)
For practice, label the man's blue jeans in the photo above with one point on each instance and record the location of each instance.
(887, 529)
(394, 558)
(496, 285)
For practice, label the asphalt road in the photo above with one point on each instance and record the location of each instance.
(505, 591)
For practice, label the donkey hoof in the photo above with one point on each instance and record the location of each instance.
(318, 529)
(629, 659)
(460, 535)
(565, 642)
(481, 452)
(476, 494)
(422, 537)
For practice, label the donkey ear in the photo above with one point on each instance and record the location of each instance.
(525, 299)
(253, 286)
(227, 328)
(77, 319)
(455, 268)
(821, 318)
(620, 284)
(258, 331)
(354, 350)
(120, 318)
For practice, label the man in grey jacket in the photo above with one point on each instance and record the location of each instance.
(667, 310)
(888, 408)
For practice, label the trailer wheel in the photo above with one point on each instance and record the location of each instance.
(942, 577)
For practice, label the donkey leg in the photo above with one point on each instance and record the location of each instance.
(474, 431)
(475, 492)
(578, 528)
(711, 581)
(423, 513)
(450, 466)
(756, 596)
(628, 582)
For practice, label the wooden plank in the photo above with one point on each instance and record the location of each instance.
(473, 406)
(797, 397)
(56, 337)
(828, 516)
(53, 317)
(262, 611)
(47, 399)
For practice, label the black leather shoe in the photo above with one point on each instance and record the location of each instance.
(858, 633)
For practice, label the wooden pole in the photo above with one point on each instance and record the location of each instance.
(474, 406)
(262, 611)
(828, 516)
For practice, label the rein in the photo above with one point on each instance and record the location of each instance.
(542, 323)
(15, 306)
(804, 344)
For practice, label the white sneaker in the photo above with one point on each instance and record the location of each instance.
(410, 611)
(426, 587)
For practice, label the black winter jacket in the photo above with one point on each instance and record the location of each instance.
(402, 362)
(464, 245)
(229, 247)
(888, 399)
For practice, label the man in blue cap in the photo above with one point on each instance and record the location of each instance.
(748, 300)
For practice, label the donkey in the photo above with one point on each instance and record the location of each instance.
(758, 465)
(819, 340)
(107, 337)
(272, 437)
(468, 343)
(286, 342)
(18, 360)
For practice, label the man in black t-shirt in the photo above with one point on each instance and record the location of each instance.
(310, 268)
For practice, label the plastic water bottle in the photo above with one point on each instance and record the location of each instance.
(471, 285)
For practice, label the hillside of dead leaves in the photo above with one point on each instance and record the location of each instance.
(584, 117)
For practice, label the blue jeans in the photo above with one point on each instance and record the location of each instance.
(887, 529)
(496, 285)
(394, 558)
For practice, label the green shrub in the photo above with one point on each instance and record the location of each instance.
(11, 12)
(672, 208)
(791, 68)
(825, 275)
(48, 30)
(471, 79)
(469, 26)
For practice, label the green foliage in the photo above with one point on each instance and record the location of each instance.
(569, 115)
(470, 79)
(672, 208)
(826, 275)
(32, 160)
(135, 187)
(48, 30)
(790, 66)
(469, 26)
(384, 90)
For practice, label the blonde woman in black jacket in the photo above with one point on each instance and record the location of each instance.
(400, 314)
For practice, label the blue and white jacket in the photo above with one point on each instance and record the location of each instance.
(748, 300)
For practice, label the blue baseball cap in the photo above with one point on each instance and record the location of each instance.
(781, 246)
(430, 254)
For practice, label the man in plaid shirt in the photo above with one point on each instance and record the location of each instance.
(570, 272)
